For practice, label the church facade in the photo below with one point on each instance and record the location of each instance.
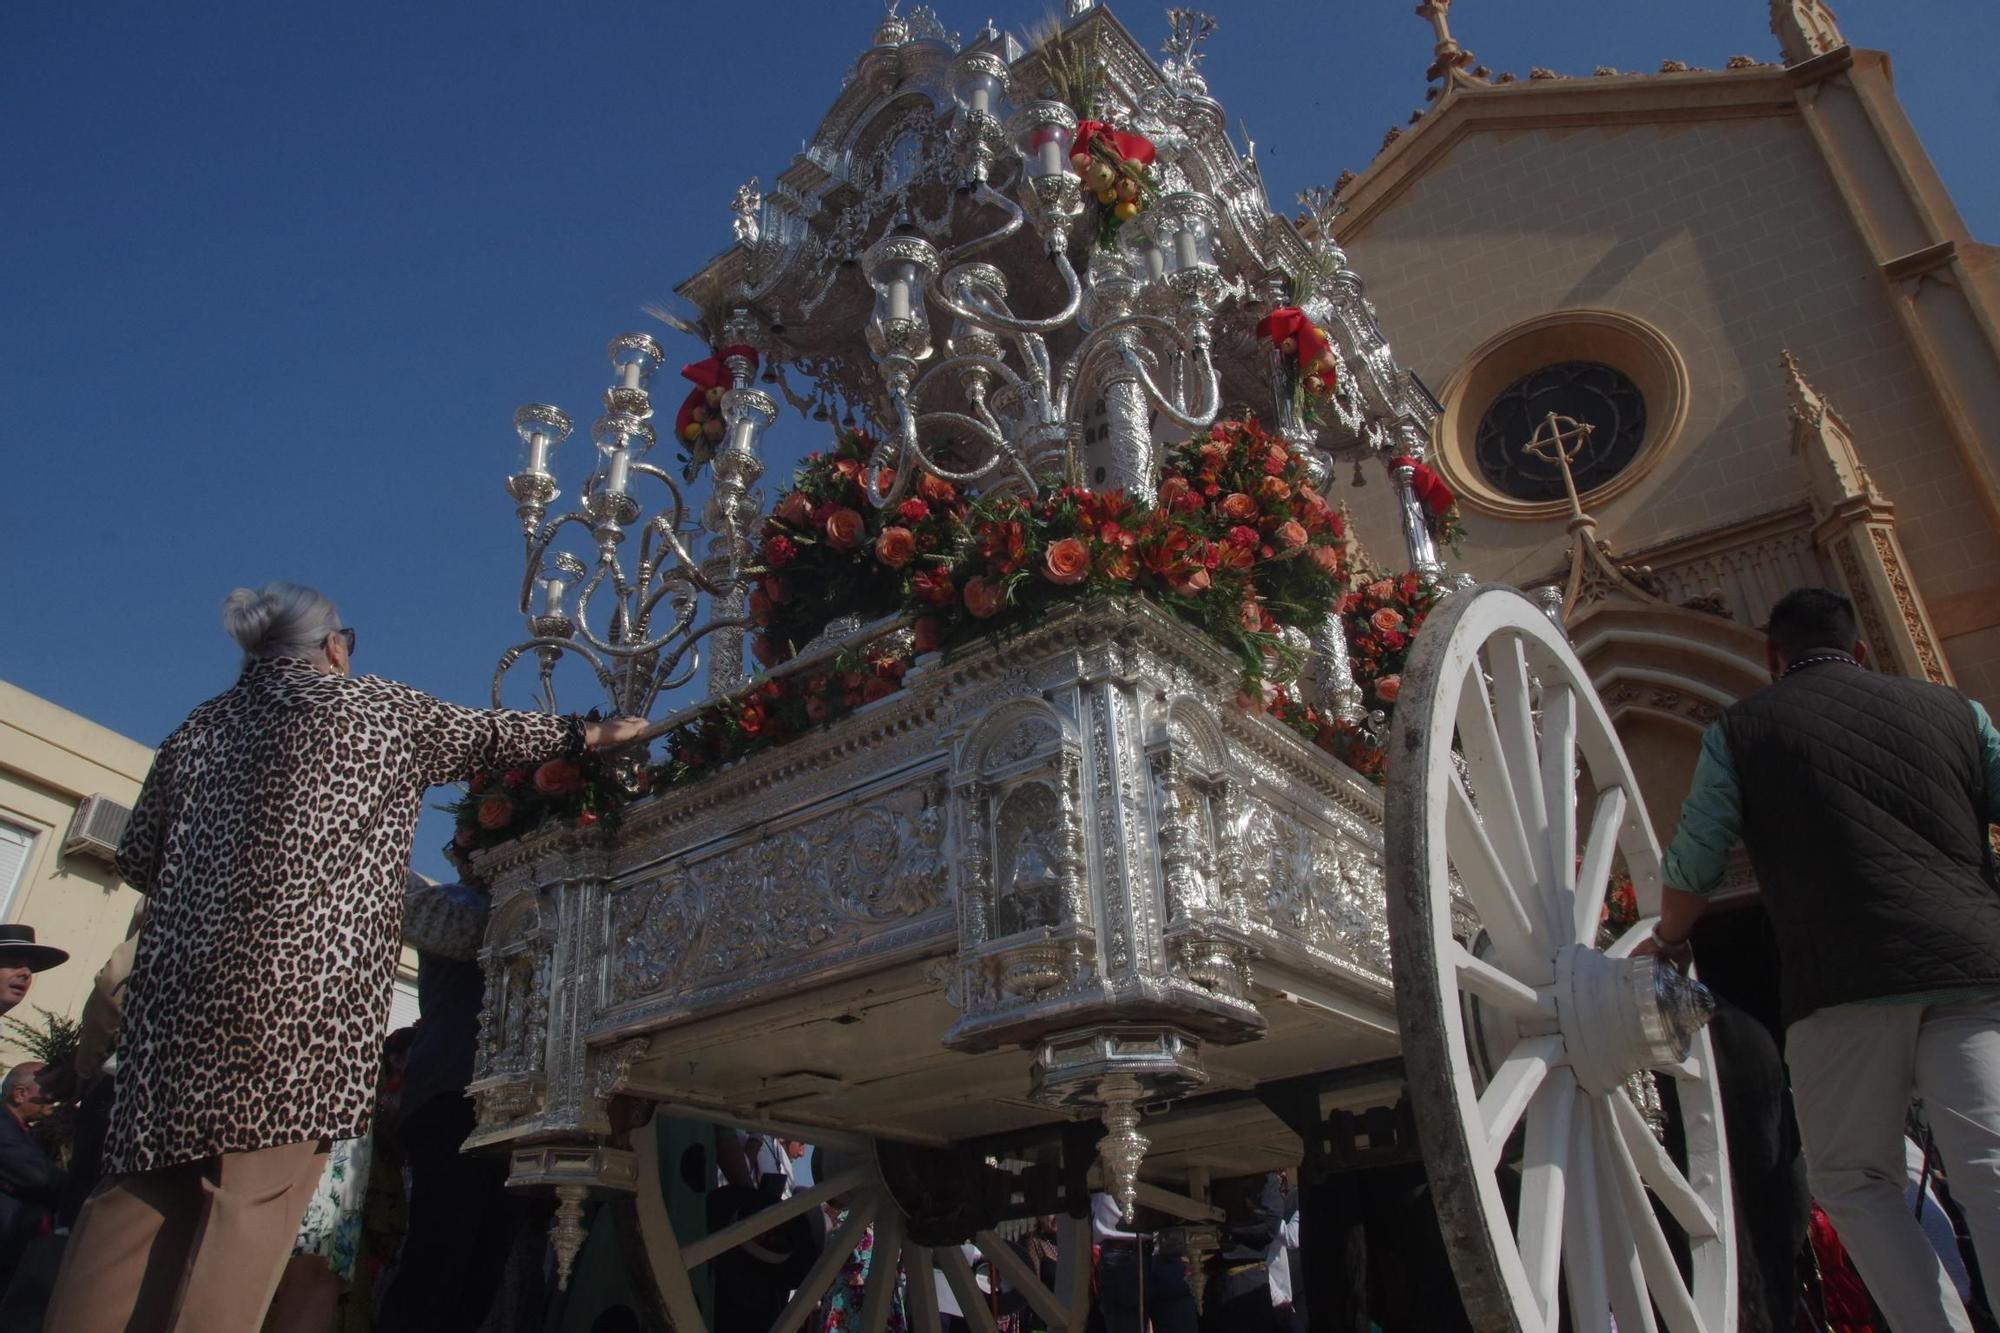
(1752, 285)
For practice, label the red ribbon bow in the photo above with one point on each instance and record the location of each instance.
(1288, 321)
(1134, 148)
(1431, 492)
(705, 375)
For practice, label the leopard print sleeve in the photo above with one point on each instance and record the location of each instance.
(452, 743)
(145, 833)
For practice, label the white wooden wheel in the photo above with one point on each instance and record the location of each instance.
(854, 1184)
(1559, 1205)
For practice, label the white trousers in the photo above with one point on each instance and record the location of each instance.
(1854, 1070)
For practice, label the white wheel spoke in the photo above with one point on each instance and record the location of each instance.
(1689, 1068)
(1543, 1171)
(1559, 801)
(827, 1267)
(971, 1300)
(1654, 1260)
(1623, 946)
(1514, 716)
(1485, 759)
(1583, 1233)
(1492, 890)
(884, 1257)
(656, 1232)
(920, 1290)
(1008, 1263)
(1594, 878)
(1657, 1170)
(1073, 1268)
(1513, 1085)
(764, 1219)
(1516, 999)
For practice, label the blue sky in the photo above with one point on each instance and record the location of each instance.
(274, 277)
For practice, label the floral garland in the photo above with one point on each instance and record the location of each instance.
(1382, 615)
(1441, 517)
(502, 805)
(773, 711)
(1113, 166)
(1312, 371)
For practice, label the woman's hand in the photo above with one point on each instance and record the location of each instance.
(610, 735)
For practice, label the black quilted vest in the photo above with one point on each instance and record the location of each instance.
(1862, 801)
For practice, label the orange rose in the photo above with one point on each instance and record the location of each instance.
(1173, 490)
(1327, 558)
(844, 529)
(794, 509)
(935, 489)
(1066, 561)
(1273, 489)
(1387, 688)
(1239, 506)
(495, 813)
(984, 598)
(558, 777)
(1292, 533)
(895, 547)
(1388, 619)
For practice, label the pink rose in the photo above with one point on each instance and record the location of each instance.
(1292, 533)
(794, 509)
(1387, 619)
(1387, 688)
(1066, 561)
(844, 529)
(895, 547)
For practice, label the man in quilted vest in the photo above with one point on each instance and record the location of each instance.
(1864, 801)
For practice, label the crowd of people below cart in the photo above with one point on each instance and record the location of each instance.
(236, 1128)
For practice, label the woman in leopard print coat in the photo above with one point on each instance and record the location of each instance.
(273, 838)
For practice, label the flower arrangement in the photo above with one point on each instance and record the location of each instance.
(1440, 506)
(699, 425)
(772, 711)
(1382, 615)
(500, 806)
(826, 552)
(1312, 372)
(1621, 904)
(1113, 165)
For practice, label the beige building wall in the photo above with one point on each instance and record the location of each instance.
(1730, 237)
(51, 760)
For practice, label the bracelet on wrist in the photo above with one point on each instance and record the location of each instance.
(1673, 946)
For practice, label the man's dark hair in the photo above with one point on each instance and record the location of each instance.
(1809, 619)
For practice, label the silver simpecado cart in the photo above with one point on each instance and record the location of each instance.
(1061, 913)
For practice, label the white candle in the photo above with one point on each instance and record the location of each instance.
(632, 369)
(615, 476)
(982, 98)
(1052, 154)
(552, 595)
(899, 296)
(1156, 261)
(1185, 253)
(538, 454)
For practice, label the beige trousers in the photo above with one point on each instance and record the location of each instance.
(192, 1248)
(1854, 1069)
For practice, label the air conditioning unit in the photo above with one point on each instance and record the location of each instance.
(95, 830)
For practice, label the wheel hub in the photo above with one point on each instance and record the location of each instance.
(1619, 1016)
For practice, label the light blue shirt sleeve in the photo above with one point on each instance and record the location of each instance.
(1989, 745)
(1711, 820)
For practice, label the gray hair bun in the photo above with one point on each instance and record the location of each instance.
(279, 620)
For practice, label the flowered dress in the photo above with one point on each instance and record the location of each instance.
(842, 1308)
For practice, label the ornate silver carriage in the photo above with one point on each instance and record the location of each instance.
(1061, 913)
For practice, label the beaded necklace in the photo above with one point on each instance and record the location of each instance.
(1817, 658)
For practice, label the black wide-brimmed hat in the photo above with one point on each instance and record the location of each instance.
(18, 943)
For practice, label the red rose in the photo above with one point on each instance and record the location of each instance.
(984, 598)
(779, 552)
(877, 687)
(751, 719)
(913, 510)
(477, 785)
(1388, 687)
(895, 546)
(844, 529)
(513, 778)
(929, 631)
(1275, 459)
(1066, 561)
(934, 587)
(816, 709)
(1292, 533)
(1243, 537)
(1239, 507)
(587, 818)
(774, 589)
(495, 813)
(558, 777)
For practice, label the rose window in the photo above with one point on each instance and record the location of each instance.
(1598, 395)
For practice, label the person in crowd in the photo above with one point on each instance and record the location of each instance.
(30, 1181)
(461, 1218)
(20, 959)
(1864, 801)
(273, 835)
(1137, 1286)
